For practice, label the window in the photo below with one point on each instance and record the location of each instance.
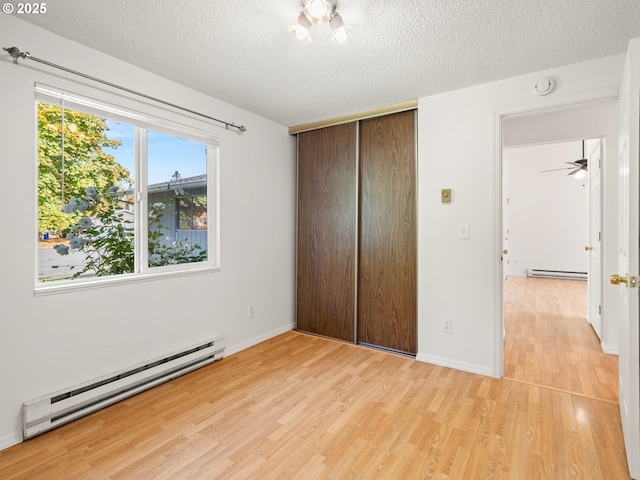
(121, 194)
(192, 212)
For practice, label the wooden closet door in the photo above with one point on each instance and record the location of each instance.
(387, 247)
(327, 231)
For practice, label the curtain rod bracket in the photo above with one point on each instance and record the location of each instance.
(15, 53)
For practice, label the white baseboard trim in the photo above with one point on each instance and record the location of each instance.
(609, 350)
(258, 339)
(10, 440)
(445, 362)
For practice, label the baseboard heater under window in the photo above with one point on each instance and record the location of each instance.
(532, 272)
(51, 411)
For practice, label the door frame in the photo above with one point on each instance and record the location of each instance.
(536, 105)
(595, 289)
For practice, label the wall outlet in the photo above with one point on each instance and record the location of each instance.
(251, 311)
(446, 325)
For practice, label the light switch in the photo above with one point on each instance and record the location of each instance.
(445, 195)
(463, 231)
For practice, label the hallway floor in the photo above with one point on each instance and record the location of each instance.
(548, 341)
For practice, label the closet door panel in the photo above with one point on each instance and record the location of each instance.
(387, 237)
(327, 231)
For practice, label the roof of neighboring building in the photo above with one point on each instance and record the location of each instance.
(187, 182)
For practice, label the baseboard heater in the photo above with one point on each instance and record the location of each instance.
(51, 411)
(532, 272)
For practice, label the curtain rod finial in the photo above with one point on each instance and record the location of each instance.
(15, 53)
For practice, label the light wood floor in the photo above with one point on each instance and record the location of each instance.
(302, 407)
(548, 341)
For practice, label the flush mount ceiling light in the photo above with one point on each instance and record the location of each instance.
(315, 12)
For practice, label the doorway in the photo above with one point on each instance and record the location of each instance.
(548, 219)
(551, 237)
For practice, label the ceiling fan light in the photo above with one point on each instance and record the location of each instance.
(315, 12)
(580, 174)
(340, 31)
(318, 8)
(301, 29)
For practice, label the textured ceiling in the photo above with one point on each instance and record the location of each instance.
(240, 51)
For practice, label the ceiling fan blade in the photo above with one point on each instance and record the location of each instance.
(579, 163)
(556, 169)
(575, 167)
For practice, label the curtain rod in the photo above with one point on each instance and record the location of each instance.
(16, 53)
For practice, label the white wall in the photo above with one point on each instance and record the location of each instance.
(55, 341)
(458, 149)
(589, 120)
(545, 214)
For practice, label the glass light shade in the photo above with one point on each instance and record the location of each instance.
(339, 29)
(301, 29)
(301, 33)
(580, 174)
(339, 35)
(317, 8)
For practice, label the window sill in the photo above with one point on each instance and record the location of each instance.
(53, 288)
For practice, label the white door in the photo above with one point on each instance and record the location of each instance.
(594, 155)
(628, 258)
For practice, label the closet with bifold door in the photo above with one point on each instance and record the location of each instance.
(356, 235)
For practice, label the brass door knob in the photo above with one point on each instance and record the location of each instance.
(505, 251)
(617, 279)
(587, 248)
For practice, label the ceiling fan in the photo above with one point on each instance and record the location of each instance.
(578, 167)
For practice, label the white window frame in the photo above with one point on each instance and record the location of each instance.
(171, 123)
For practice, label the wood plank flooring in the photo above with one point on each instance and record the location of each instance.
(304, 407)
(548, 341)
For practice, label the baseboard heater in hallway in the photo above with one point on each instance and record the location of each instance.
(50, 411)
(532, 272)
